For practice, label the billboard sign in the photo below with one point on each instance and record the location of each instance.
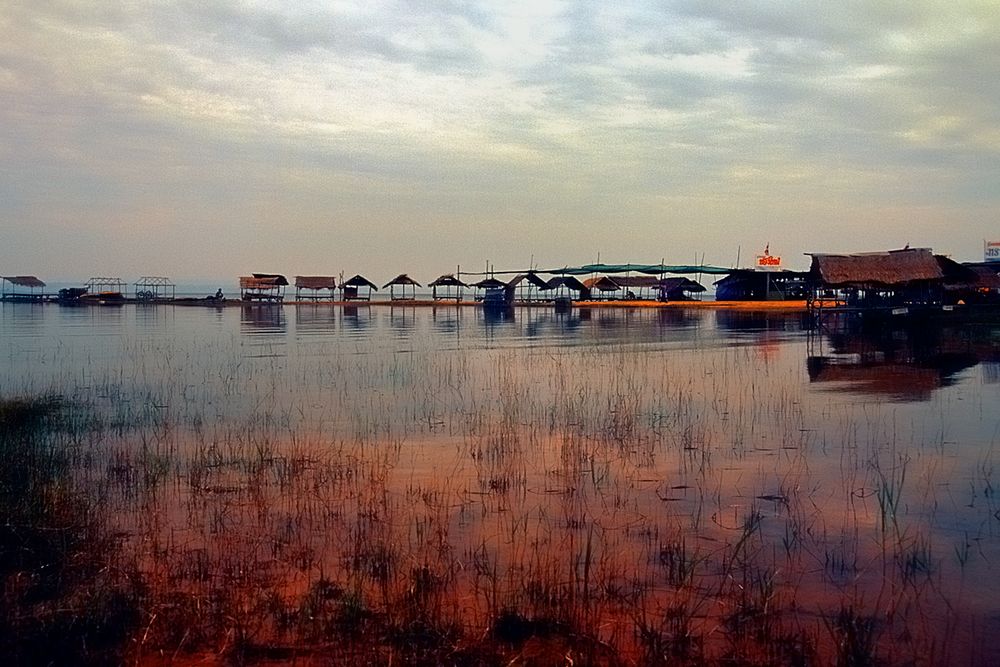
(991, 251)
(769, 262)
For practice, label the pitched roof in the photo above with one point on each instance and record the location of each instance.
(277, 277)
(568, 282)
(601, 283)
(262, 281)
(402, 279)
(24, 281)
(895, 267)
(315, 282)
(359, 281)
(490, 283)
(680, 283)
(447, 280)
(530, 276)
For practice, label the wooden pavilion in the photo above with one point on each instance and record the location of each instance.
(314, 286)
(567, 287)
(911, 276)
(351, 289)
(601, 288)
(14, 288)
(525, 288)
(491, 290)
(263, 287)
(402, 281)
(676, 288)
(450, 286)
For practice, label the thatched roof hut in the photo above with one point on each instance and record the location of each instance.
(447, 280)
(525, 287)
(450, 287)
(315, 282)
(357, 288)
(563, 285)
(490, 283)
(531, 277)
(402, 281)
(313, 285)
(627, 282)
(13, 286)
(601, 284)
(673, 289)
(876, 269)
(30, 282)
(263, 287)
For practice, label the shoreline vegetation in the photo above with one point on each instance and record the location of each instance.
(477, 508)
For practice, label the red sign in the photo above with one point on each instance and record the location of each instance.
(768, 262)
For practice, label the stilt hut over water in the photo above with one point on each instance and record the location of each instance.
(638, 288)
(357, 288)
(911, 276)
(566, 287)
(526, 288)
(401, 282)
(313, 287)
(970, 282)
(753, 285)
(491, 290)
(602, 288)
(22, 288)
(154, 288)
(675, 289)
(450, 288)
(263, 287)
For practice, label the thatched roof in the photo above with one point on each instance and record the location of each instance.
(679, 283)
(359, 281)
(636, 281)
(490, 283)
(402, 279)
(262, 281)
(970, 275)
(276, 278)
(315, 282)
(601, 283)
(531, 277)
(24, 281)
(569, 282)
(895, 267)
(447, 280)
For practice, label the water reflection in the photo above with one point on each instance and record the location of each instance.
(356, 318)
(902, 363)
(262, 319)
(762, 320)
(315, 319)
(446, 320)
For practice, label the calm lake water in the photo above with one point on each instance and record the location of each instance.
(714, 461)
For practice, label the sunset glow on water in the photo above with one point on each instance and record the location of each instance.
(690, 483)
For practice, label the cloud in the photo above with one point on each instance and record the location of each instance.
(457, 119)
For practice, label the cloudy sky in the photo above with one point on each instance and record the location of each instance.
(208, 138)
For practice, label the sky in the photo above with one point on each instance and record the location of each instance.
(204, 139)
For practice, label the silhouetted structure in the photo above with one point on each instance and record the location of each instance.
(447, 287)
(357, 288)
(402, 281)
(22, 288)
(154, 288)
(312, 287)
(263, 287)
